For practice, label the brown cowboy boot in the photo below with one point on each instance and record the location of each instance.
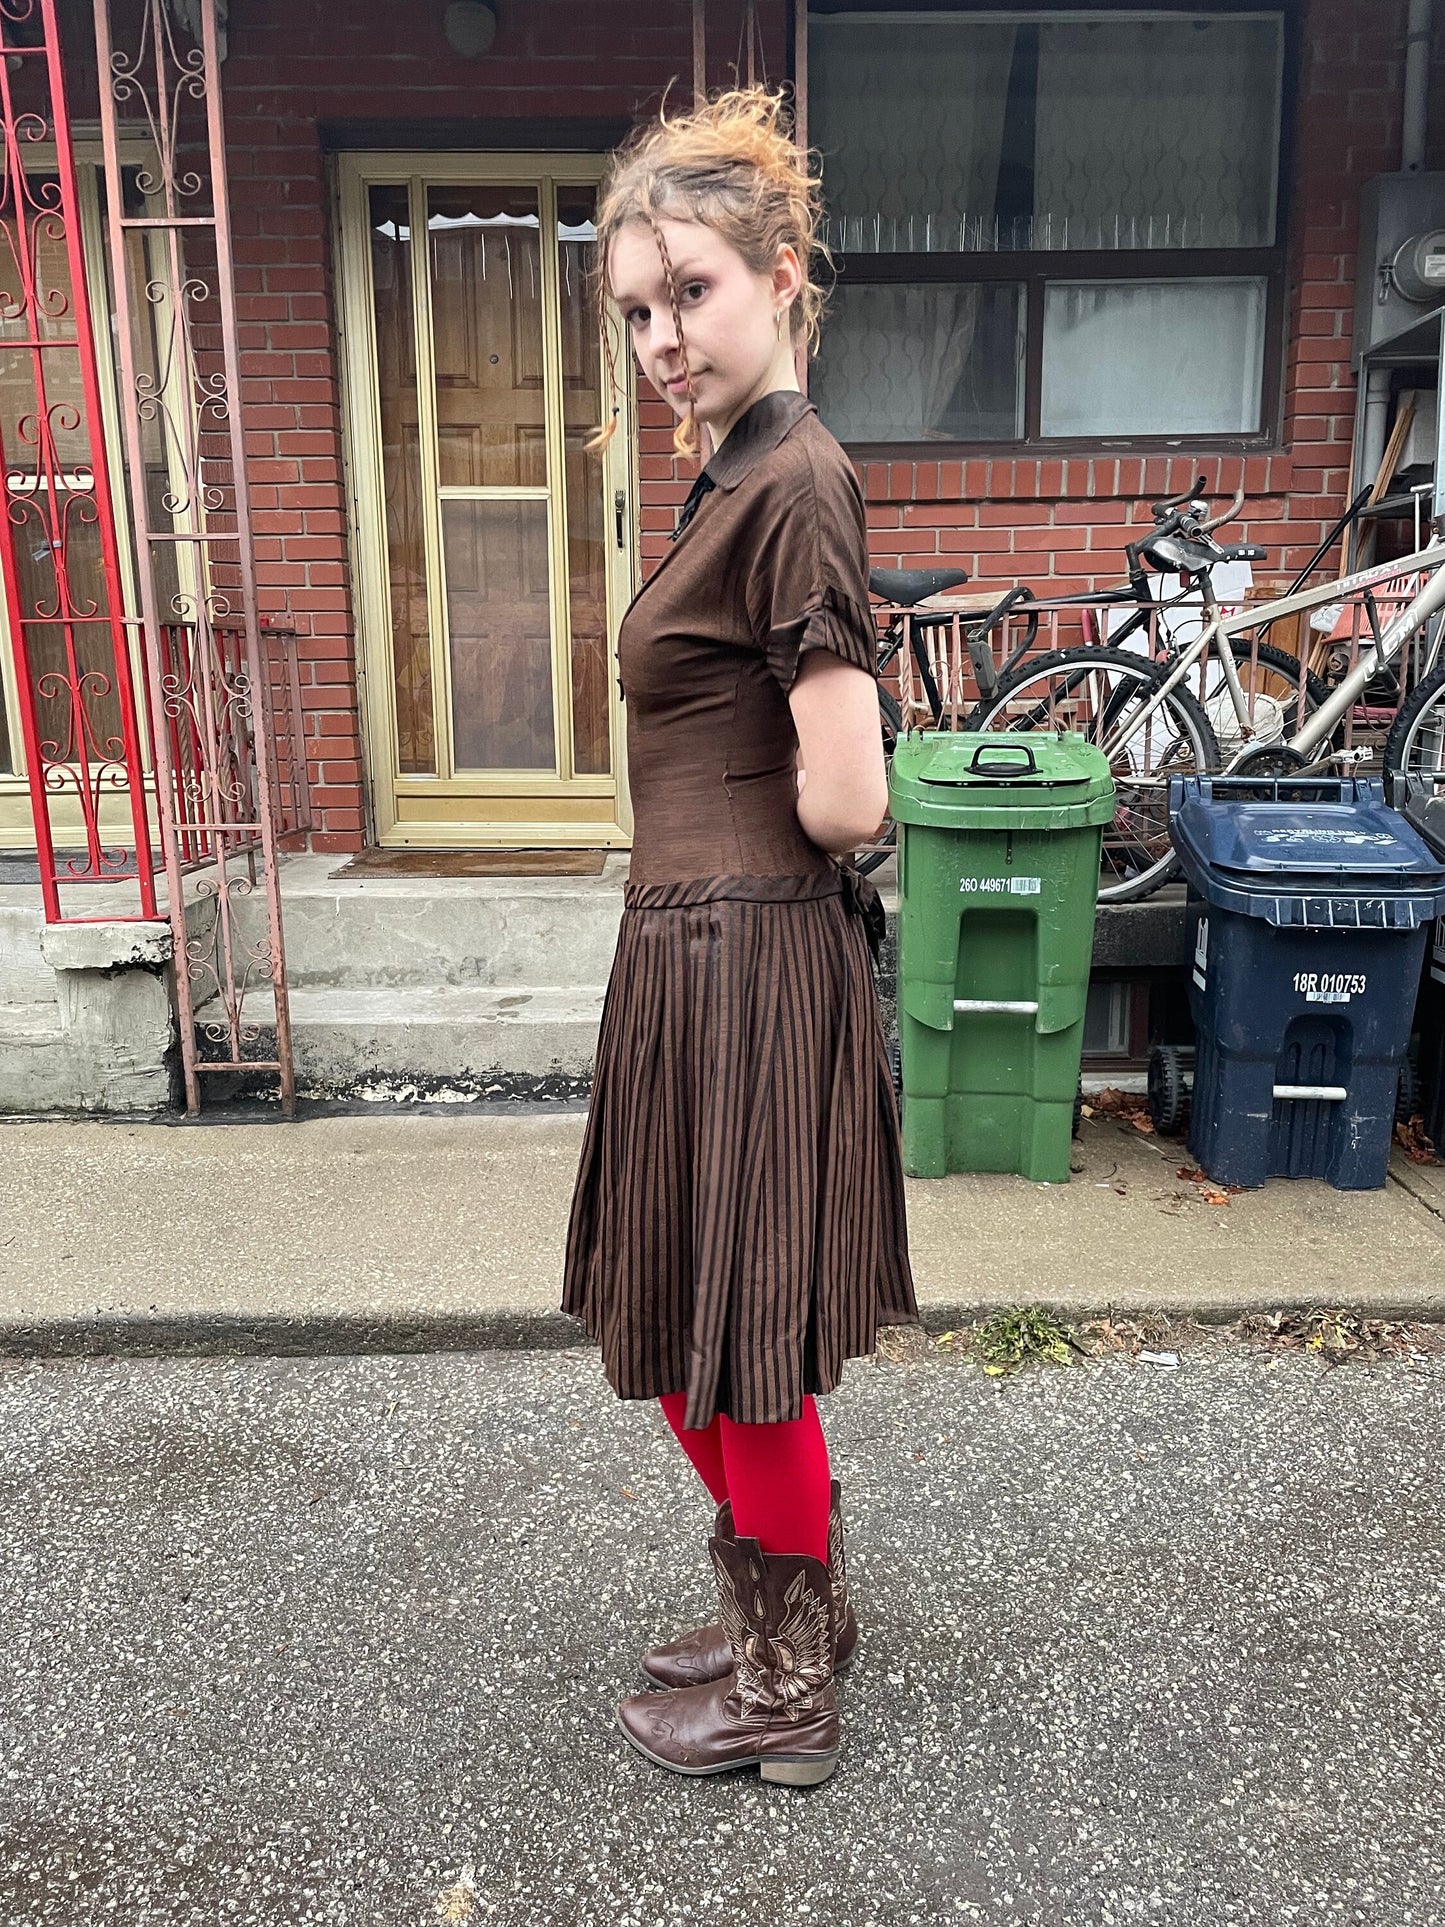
(777, 1708)
(703, 1654)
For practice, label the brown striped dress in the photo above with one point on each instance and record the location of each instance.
(737, 1228)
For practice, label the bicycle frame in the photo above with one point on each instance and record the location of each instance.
(1219, 630)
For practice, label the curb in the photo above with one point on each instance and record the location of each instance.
(330, 1334)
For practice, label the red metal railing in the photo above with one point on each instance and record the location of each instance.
(58, 554)
(213, 674)
(212, 748)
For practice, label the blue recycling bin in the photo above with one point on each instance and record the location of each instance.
(1421, 799)
(1309, 905)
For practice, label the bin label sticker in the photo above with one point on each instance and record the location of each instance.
(1355, 839)
(1201, 951)
(1328, 987)
(1002, 886)
(1437, 952)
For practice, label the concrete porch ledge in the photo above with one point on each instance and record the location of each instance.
(106, 946)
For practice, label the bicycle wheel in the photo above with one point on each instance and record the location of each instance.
(1100, 693)
(1270, 680)
(872, 854)
(1415, 745)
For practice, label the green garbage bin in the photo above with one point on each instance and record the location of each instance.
(999, 842)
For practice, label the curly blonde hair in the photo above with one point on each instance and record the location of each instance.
(732, 165)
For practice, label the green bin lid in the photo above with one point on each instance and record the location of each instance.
(1031, 780)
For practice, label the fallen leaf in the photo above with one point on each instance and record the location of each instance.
(458, 1903)
(1412, 1140)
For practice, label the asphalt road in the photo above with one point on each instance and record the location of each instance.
(339, 1640)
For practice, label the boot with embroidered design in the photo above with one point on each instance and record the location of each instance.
(777, 1707)
(703, 1654)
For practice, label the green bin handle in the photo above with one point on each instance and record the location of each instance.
(1028, 767)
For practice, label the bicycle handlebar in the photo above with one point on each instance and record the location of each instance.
(1160, 509)
(1225, 515)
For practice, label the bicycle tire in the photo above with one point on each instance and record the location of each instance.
(1316, 688)
(1271, 678)
(1405, 730)
(870, 855)
(1285, 666)
(1187, 723)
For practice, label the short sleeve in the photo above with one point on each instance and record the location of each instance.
(808, 583)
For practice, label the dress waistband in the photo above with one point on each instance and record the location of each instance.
(861, 898)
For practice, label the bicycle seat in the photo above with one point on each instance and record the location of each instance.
(904, 587)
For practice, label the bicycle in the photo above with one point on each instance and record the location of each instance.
(1272, 681)
(1151, 726)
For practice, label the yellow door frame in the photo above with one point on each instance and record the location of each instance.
(494, 808)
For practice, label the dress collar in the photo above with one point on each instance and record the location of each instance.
(755, 433)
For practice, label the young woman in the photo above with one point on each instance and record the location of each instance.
(737, 1229)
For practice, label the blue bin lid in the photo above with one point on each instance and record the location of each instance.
(1308, 852)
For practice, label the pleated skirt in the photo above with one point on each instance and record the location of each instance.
(737, 1228)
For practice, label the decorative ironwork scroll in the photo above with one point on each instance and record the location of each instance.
(210, 673)
(58, 552)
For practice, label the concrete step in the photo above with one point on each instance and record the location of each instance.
(478, 932)
(26, 979)
(435, 1041)
(35, 1072)
(441, 988)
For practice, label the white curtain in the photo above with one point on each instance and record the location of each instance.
(1153, 357)
(1156, 133)
(898, 363)
(909, 119)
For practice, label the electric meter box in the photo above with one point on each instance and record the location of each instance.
(1401, 273)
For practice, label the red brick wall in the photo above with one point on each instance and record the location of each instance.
(294, 63)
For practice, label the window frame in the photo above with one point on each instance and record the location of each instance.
(1033, 269)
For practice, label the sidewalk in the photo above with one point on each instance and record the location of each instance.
(351, 1233)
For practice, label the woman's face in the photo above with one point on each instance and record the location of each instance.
(734, 353)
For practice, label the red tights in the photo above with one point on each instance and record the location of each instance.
(777, 1476)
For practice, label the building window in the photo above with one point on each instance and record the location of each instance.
(1049, 227)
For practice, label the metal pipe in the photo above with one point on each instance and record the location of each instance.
(1372, 418)
(1417, 87)
(1372, 431)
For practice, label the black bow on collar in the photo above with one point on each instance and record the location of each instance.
(690, 507)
